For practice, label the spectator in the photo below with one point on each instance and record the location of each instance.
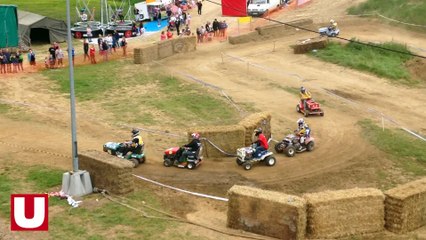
(2, 63)
(46, 62)
(108, 39)
(216, 27)
(116, 39)
(60, 56)
(92, 54)
(7, 55)
(188, 19)
(199, 6)
(177, 23)
(14, 60)
(99, 42)
(141, 28)
(89, 33)
(199, 35)
(105, 50)
(124, 45)
(163, 36)
(31, 57)
(20, 60)
(86, 49)
(52, 51)
(169, 34)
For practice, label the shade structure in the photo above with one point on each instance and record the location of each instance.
(234, 8)
(8, 26)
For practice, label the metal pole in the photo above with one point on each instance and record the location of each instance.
(72, 95)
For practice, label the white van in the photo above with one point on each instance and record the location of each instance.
(260, 7)
(143, 11)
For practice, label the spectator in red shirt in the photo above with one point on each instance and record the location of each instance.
(169, 34)
(92, 52)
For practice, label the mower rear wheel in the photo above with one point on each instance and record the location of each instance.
(270, 161)
(279, 147)
(190, 166)
(135, 162)
(247, 166)
(322, 114)
(142, 160)
(167, 163)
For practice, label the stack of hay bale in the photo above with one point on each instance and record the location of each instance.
(405, 207)
(307, 45)
(334, 214)
(250, 123)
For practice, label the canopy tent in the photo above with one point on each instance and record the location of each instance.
(34, 27)
(234, 8)
(8, 26)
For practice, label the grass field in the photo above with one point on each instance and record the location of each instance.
(375, 60)
(408, 152)
(410, 11)
(148, 98)
(102, 218)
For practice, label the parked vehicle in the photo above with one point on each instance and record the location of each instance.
(260, 7)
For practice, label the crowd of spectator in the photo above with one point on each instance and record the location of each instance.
(11, 61)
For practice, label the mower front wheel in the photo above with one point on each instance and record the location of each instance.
(135, 162)
(190, 166)
(270, 161)
(167, 163)
(142, 160)
(298, 108)
(290, 151)
(247, 166)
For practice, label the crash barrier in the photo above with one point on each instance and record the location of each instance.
(164, 49)
(107, 171)
(335, 214)
(225, 140)
(266, 212)
(328, 214)
(270, 32)
(405, 207)
(307, 45)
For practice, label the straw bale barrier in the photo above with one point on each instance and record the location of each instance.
(334, 214)
(164, 49)
(405, 207)
(262, 119)
(307, 45)
(145, 54)
(266, 212)
(227, 138)
(270, 32)
(108, 172)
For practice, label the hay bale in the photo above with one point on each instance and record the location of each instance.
(307, 45)
(333, 214)
(227, 138)
(405, 207)
(266, 212)
(146, 54)
(184, 44)
(108, 172)
(262, 119)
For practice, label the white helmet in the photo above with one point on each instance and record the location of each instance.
(300, 122)
(332, 21)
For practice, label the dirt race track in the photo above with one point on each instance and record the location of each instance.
(254, 73)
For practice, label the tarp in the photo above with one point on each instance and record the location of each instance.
(57, 29)
(8, 26)
(234, 8)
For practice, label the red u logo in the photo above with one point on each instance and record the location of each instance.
(29, 212)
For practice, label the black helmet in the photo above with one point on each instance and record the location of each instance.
(258, 131)
(302, 89)
(135, 132)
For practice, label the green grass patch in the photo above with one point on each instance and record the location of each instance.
(4, 108)
(408, 152)
(44, 178)
(410, 11)
(149, 98)
(5, 191)
(380, 62)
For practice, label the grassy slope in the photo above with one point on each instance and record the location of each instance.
(168, 99)
(407, 151)
(380, 62)
(410, 11)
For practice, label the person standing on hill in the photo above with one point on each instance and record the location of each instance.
(199, 6)
(86, 49)
(92, 54)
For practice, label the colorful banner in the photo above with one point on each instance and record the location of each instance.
(234, 8)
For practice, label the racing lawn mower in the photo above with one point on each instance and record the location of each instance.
(192, 161)
(246, 158)
(137, 157)
(313, 108)
(329, 32)
(290, 145)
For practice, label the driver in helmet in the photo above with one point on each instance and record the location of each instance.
(333, 25)
(304, 96)
(188, 149)
(303, 131)
(135, 146)
(261, 142)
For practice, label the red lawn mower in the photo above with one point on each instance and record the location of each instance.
(313, 108)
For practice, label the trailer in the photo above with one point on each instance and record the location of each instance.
(142, 10)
